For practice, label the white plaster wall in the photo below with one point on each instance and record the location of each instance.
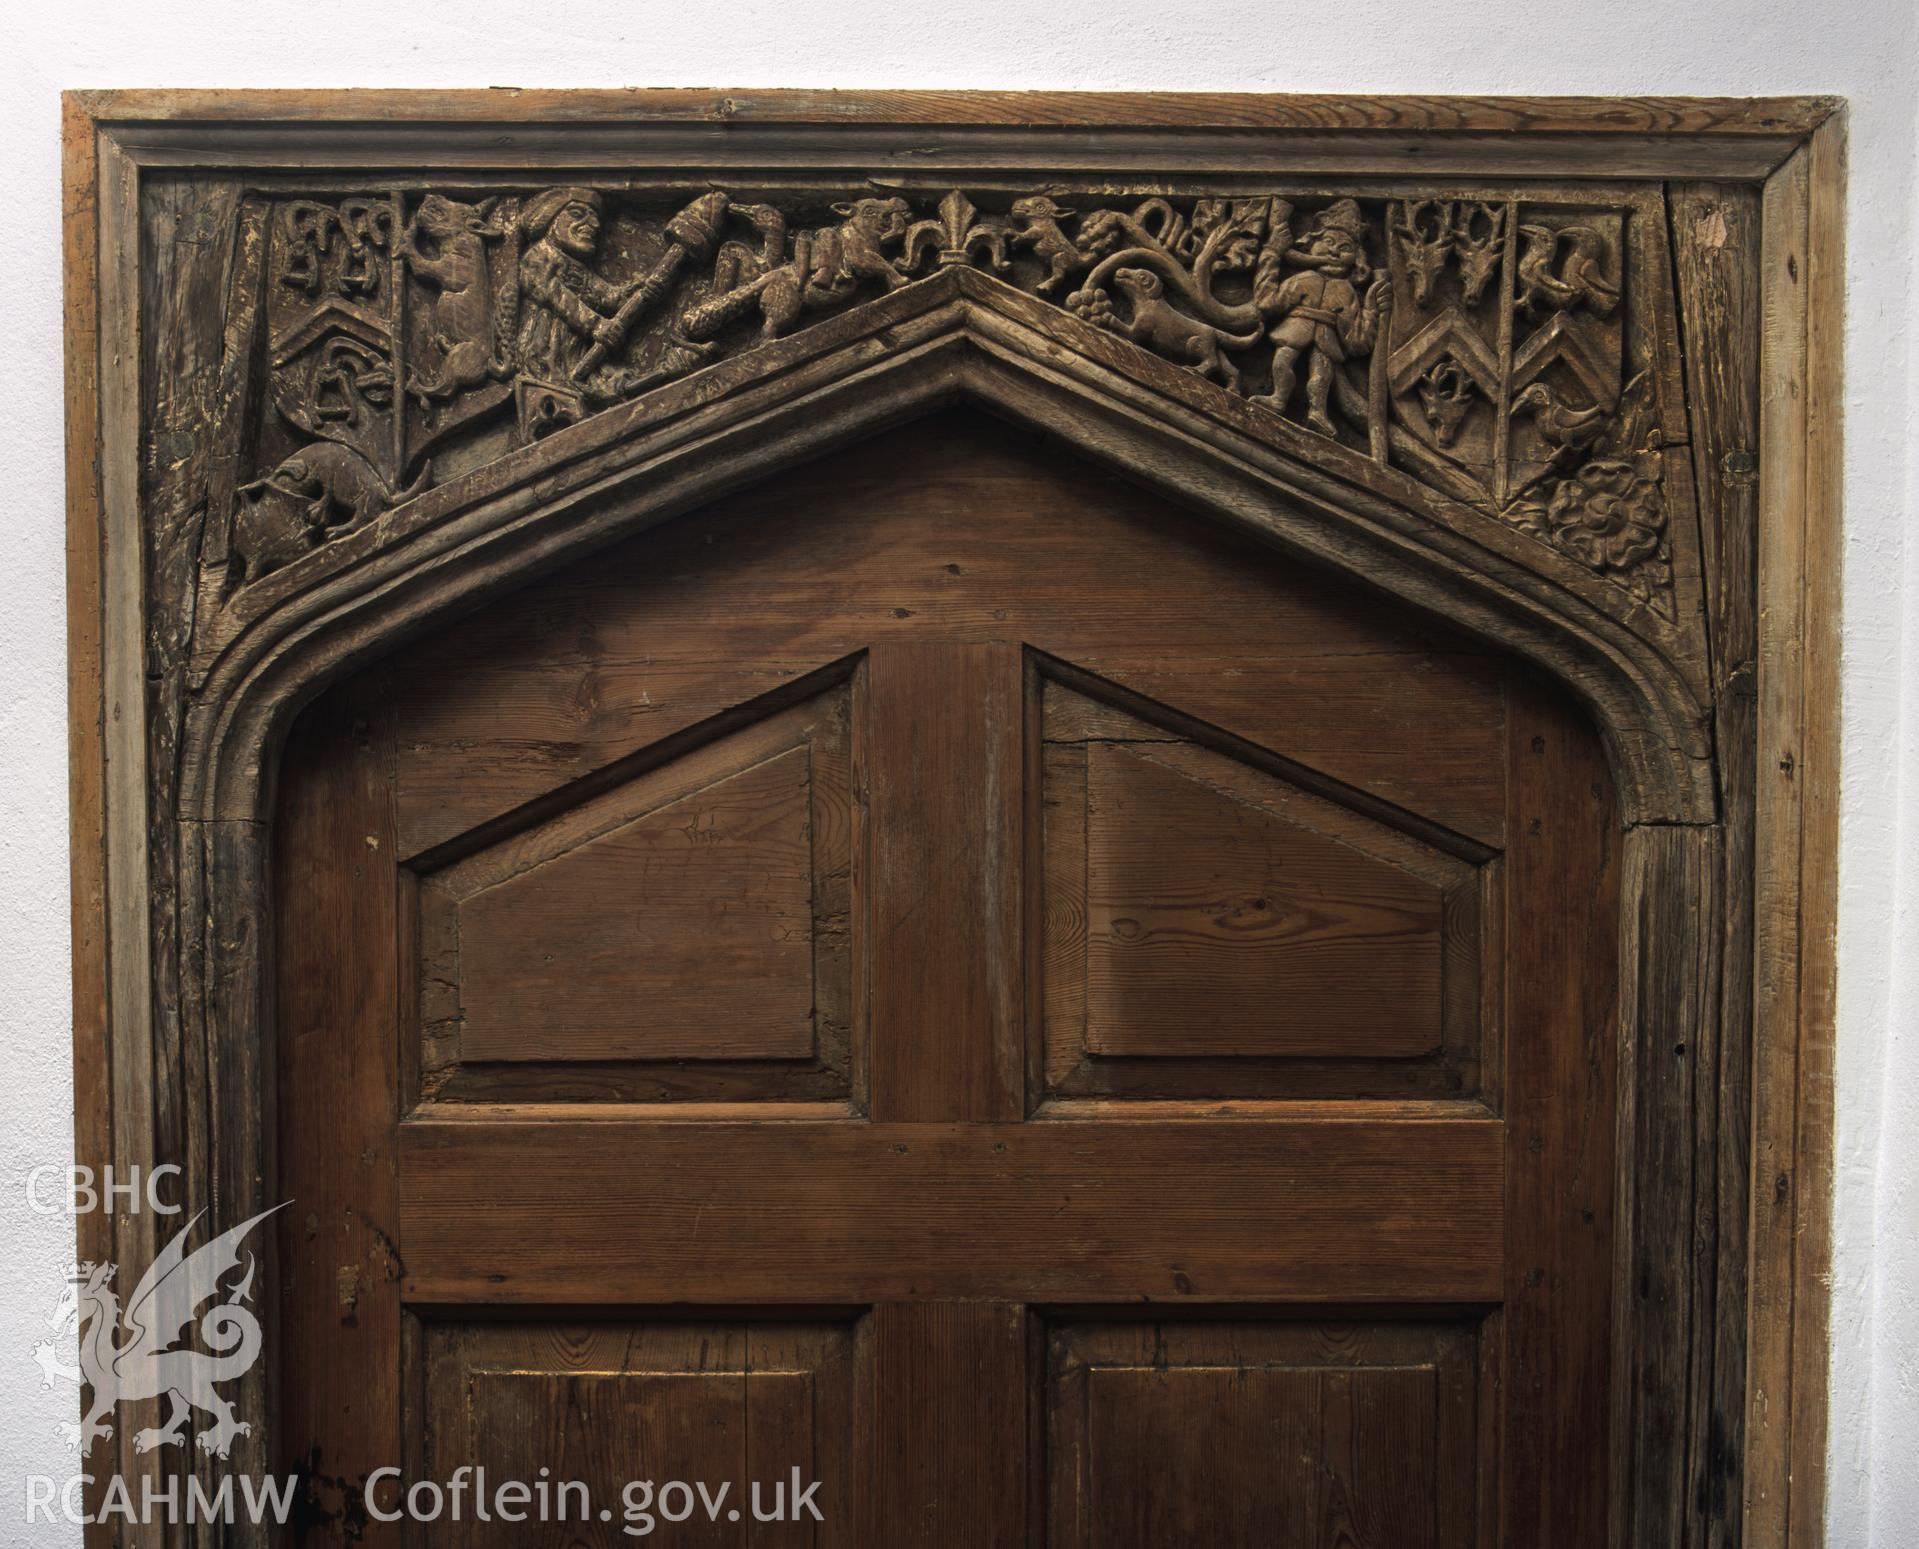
(1865, 49)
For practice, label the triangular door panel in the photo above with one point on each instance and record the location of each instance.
(1217, 926)
(684, 933)
(694, 913)
(1220, 923)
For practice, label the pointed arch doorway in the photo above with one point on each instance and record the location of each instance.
(948, 973)
(200, 639)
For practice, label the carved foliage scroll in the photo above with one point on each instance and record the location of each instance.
(1486, 346)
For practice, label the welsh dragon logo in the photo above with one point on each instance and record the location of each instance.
(151, 1361)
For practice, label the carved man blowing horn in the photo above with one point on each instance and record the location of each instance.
(1321, 312)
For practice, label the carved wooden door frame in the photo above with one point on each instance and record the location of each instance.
(1705, 649)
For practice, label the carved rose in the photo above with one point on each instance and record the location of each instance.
(1610, 514)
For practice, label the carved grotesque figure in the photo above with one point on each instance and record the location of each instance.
(1321, 312)
(1040, 233)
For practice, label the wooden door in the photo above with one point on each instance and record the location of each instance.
(949, 974)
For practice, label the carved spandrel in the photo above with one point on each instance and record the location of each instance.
(1478, 345)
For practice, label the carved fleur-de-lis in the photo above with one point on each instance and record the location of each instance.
(954, 234)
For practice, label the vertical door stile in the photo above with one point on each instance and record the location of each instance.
(947, 781)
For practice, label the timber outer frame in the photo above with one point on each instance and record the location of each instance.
(1727, 933)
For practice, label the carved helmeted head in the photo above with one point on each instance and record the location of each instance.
(568, 217)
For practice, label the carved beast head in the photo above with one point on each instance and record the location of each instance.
(1424, 230)
(1138, 284)
(882, 220)
(1479, 244)
(1037, 207)
(1445, 393)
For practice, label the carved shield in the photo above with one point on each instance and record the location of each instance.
(1446, 368)
(331, 310)
(1568, 335)
(1492, 297)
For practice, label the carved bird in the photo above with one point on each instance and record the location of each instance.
(1568, 431)
(1581, 278)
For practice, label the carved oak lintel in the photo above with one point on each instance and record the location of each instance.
(1477, 343)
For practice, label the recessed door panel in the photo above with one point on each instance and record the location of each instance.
(1216, 926)
(614, 1429)
(689, 910)
(1223, 922)
(1308, 1432)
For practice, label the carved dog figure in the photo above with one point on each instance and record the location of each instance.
(827, 266)
(1163, 329)
(319, 492)
(452, 259)
(1040, 233)
(835, 260)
